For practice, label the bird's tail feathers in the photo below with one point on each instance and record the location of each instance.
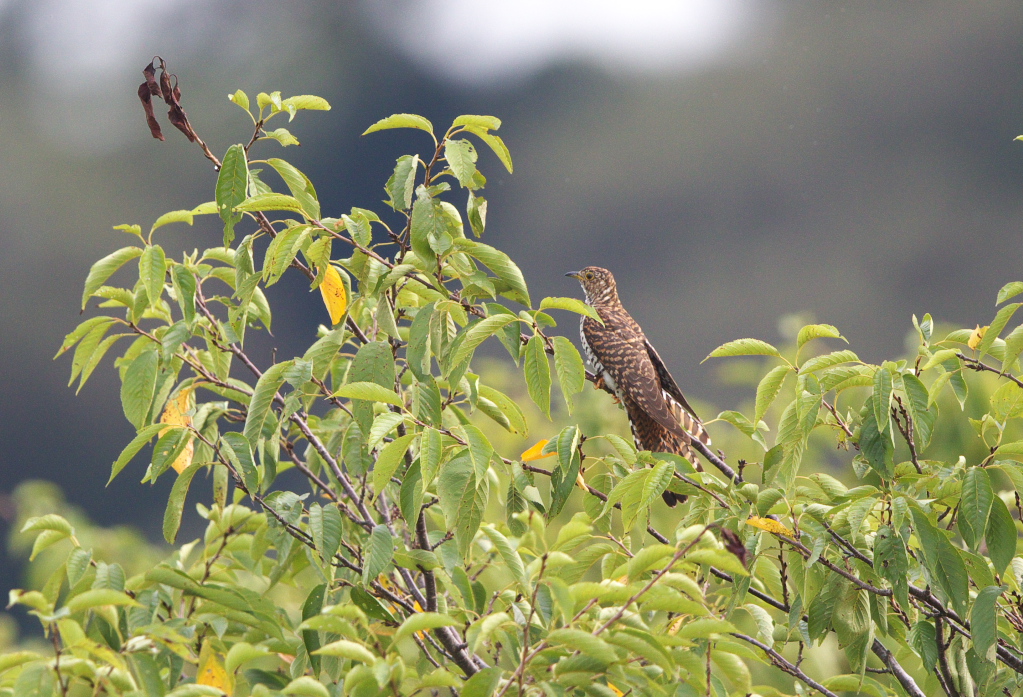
(688, 421)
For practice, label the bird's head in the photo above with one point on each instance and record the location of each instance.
(598, 284)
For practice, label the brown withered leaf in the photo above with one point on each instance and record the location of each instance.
(165, 84)
(166, 88)
(177, 115)
(734, 545)
(150, 72)
(147, 103)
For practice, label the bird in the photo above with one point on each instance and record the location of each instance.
(618, 352)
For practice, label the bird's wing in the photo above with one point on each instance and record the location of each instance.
(667, 382)
(620, 347)
(680, 408)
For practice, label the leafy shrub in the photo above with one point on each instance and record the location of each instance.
(418, 558)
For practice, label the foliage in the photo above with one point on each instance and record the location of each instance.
(421, 559)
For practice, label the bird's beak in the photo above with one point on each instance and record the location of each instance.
(573, 274)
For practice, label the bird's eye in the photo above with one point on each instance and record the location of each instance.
(589, 275)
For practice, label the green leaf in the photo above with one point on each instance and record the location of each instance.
(480, 450)
(570, 369)
(922, 415)
(348, 649)
(138, 386)
(657, 481)
(482, 684)
(305, 101)
(379, 552)
(1009, 290)
(564, 477)
(495, 143)
(13, 659)
(1010, 451)
(98, 597)
(401, 121)
(402, 183)
(105, 268)
(943, 561)
(1007, 401)
(232, 182)
(876, 447)
(476, 208)
(238, 449)
(827, 360)
(817, 331)
(305, 686)
(184, 216)
(891, 561)
(383, 424)
(923, 638)
(765, 623)
(176, 502)
(461, 157)
(570, 304)
(369, 391)
(299, 185)
(242, 653)
(282, 136)
(744, 347)
(538, 374)
(326, 528)
(270, 202)
(242, 100)
(312, 607)
(1001, 535)
(511, 558)
(486, 123)
(984, 622)
(629, 493)
(137, 443)
(262, 399)
(768, 389)
(478, 333)
(423, 621)
(463, 498)
(508, 413)
(1002, 318)
(502, 266)
(429, 227)
(430, 450)
(882, 398)
(89, 345)
(81, 331)
(389, 458)
(975, 506)
(583, 642)
(153, 272)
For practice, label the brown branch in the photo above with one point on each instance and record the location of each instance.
(778, 660)
(904, 678)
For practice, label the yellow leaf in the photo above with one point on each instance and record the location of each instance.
(580, 482)
(976, 336)
(770, 525)
(176, 414)
(614, 688)
(676, 625)
(334, 297)
(211, 670)
(535, 453)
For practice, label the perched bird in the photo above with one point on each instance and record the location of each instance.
(619, 353)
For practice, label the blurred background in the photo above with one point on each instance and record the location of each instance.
(732, 161)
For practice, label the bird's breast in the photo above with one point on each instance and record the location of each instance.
(594, 362)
